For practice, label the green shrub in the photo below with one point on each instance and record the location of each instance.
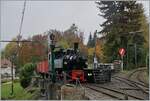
(16, 80)
(26, 74)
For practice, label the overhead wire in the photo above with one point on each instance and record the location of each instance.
(21, 23)
(20, 29)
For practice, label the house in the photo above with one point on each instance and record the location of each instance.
(6, 68)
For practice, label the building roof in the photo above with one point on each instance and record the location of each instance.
(4, 63)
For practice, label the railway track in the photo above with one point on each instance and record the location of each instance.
(139, 75)
(140, 69)
(134, 84)
(112, 92)
(131, 81)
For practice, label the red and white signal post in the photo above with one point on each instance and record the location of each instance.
(122, 52)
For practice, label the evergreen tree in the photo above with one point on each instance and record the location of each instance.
(121, 17)
(90, 44)
(91, 41)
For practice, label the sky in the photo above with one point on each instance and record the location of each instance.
(43, 15)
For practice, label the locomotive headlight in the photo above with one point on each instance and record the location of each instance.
(89, 74)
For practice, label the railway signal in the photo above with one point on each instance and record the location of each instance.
(52, 47)
(51, 44)
(122, 52)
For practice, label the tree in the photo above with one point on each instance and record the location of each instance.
(90, 41)
(25, 54)
(63, 43)
(99, 47)
(26, 74)
(121, 17)
(145, 29)
(99, 50)
(73, 29)
(28, 51)
(11, 50)
(90, 55)
(39, 49)
(2, 54)
(71, 35)
(99, 53)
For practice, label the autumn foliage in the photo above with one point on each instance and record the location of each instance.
(37, 49)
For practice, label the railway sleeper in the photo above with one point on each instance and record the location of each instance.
(124, 93)
(114, 93)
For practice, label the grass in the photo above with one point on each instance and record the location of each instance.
(146, 77)
(126, 71)
(19, 92)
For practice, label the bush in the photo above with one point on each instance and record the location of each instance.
(25, 82)
(26, 74)
(16, 80)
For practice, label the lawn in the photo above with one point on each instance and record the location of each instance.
(19, 92)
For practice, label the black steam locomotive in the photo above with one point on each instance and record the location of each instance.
(74, 65)
(71, 62)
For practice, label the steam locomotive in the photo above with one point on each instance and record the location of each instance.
(71, 62)
(68, 61)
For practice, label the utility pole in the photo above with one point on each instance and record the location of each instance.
(12, 79)
(135, 46)
(19, 35)
(122, 52)
(122, 63)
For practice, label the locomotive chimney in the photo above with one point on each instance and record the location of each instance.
(76, 46)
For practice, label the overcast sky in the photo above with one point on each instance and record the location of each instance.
(43, 15)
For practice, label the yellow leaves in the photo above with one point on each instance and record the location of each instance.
(90, 54)
(99, 52)
(10, 49)
(63, 43)
(90, 51)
